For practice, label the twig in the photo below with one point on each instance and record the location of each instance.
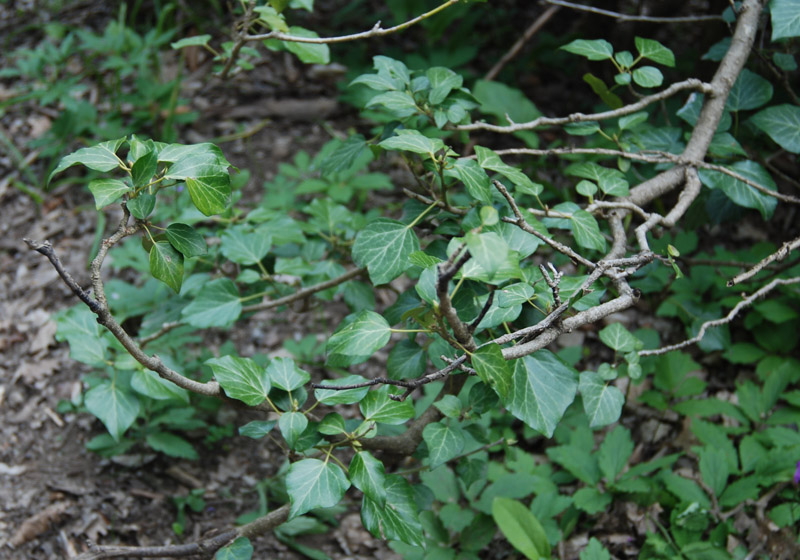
(440, 203)
(99, 307)
(517, 46)
(521, 223)
(778, 255)
(305, 292)
(760, 188)
(445, 272)
(628, 17)
(241, 39)
(376, 31)
(486, 306)
(165, 328)
(552, 281)
(745, 302)
(691, 83)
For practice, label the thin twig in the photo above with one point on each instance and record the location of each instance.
(778, 255)
(517, 46)
(445, 272)
(376, 31)
(690, 84)
(745, 302)
(305, 292)
(520, 222)
(628, 17)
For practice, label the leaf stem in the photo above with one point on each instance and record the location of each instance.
(422, 215)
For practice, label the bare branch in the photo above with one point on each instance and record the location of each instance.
(629, 17)
(521, 223)
(778, 255)
(713, 105)
(745, 302)
(105, 318)
(206, 546)
(690, 84)
(445, 272)
(376, 31)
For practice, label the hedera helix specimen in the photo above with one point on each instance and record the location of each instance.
(486, 298)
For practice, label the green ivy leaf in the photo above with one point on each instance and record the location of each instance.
(782, 124)
(611, 181)
(630, 121)
(171, 445)
(313, 484)
(597, 49)
(399, 103)
(144, 168)
(383, 247)
(344, 156)
(785, 16)
(655, 51)
(358, 340)
(377, 406)
(245, 247)
(521, 528)
(142, 206)
(741, 193)
(602, 91)
(379, 82)
(241, 378)
(331, 425)
(292, 425)
(211, 194)
(78, 326)
(310, 53)
(166, 264)
(368, 475)
(488, 249)
(240, 549)
(150, 384)
(106, 191)
(414, 141)
(257, 428)
(217, 305)
(102, 157)
(285, 374)
(407, 360)
(602, 401)
(186, 240)
(397, 520)
(750, 91)
(196, 41)
(543, 387)
(345, 396)
(488, 159)
(474, 178)
(493, 369)
(648, 76)
(587, 231)
(444, 442)
(116, 407)
(618, 338)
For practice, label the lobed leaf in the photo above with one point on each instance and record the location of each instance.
(241, 378)
(313, 484)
